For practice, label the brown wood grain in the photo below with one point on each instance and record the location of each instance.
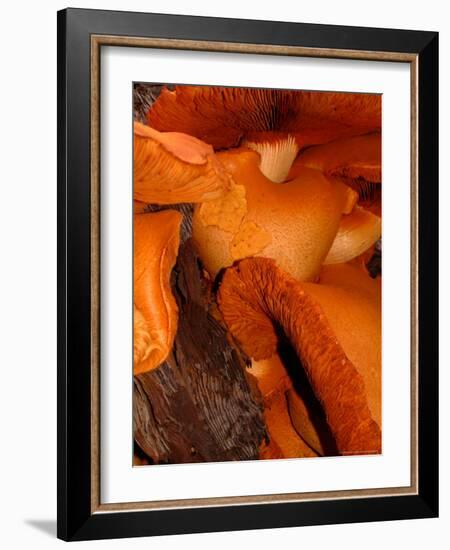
(198, 405)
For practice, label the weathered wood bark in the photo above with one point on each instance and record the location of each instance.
(198, 406)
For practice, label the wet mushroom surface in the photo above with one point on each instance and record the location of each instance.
(257, 274)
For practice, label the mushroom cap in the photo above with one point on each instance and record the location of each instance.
(156, 241)
(355, 157)
(256, 296)
(294, 223)
(358, 231)
(221, 116)
(351, 302)
(356, 162)
(172, 167)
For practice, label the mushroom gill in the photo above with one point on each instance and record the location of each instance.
(330, 328)
(294, 223)
(276, 155)
(172, 167)
(223, 116)
(156, 241)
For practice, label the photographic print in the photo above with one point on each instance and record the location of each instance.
(257, 274)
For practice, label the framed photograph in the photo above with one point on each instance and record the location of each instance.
(247, 271)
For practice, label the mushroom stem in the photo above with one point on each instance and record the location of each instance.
(277, 156)
(255, 297)
(283, 436)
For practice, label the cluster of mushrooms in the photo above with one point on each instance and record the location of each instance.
(286, 188)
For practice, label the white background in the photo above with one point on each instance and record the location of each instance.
(28, 275)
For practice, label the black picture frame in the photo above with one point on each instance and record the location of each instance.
(76, 519)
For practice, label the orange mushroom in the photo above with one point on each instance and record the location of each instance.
(306, 423)
(331, 330)
(224, 116)
(358, 232)
(294, 223)
(356, 162)
(156, 241)
(276, 124)
(275, 384)
(351, 158)
(285, 441)
(351, 301)
(257, 200)
(172, 167)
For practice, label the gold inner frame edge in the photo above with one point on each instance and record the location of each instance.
(195, 45)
